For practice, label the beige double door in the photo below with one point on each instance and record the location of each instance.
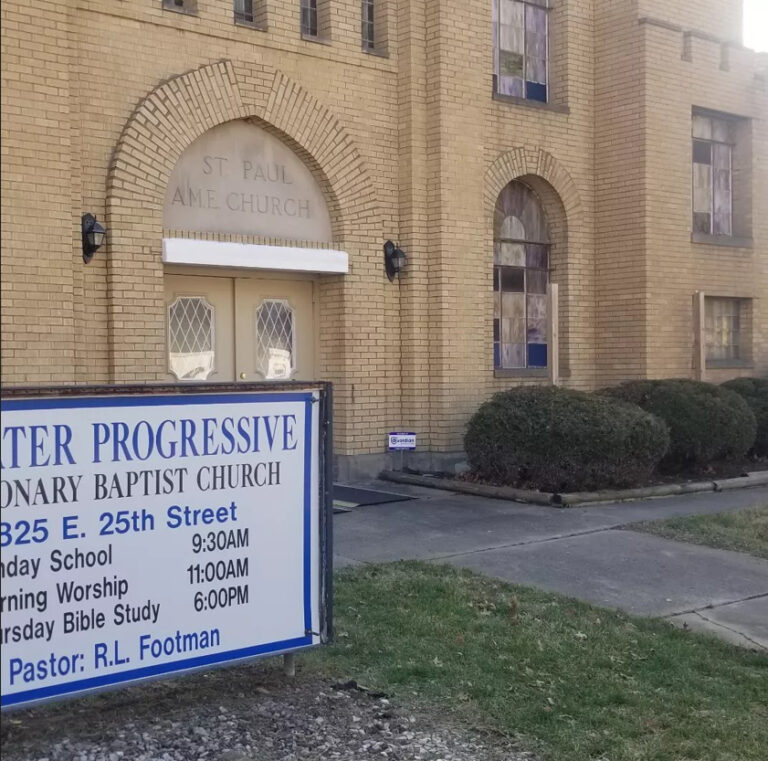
(233, 328)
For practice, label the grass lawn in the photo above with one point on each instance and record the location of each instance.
(571, 681)
(742, 530)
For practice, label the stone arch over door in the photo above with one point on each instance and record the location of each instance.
(162, 126)
(562, 207)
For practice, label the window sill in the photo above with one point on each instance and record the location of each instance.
(374, 51)
(727, 241)
(522, 372)
(724, 364)
(531, 103)
(318, 40)
(180, 9)
(251, 25)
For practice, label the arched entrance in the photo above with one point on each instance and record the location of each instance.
(163, 126)
(140, 252)
(247, 231)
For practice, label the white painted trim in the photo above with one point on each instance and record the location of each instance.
(216, 253)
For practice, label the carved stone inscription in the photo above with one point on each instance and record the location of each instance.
(238, 178)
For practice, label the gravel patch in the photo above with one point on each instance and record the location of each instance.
(250, 713)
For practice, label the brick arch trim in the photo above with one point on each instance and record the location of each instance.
(161, 127)
(520, 162)
(181, 109)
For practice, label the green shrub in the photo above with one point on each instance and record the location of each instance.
(557, 440)
(754, 391)
(707, 423)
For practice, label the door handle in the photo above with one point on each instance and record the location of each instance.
(243, 375)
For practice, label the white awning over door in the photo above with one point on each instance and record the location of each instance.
(214, 253)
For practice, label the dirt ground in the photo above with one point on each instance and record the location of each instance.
(248, 713)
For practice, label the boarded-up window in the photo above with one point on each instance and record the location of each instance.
(520, 42)
(520, 279)
(723, 328)
(712, 176)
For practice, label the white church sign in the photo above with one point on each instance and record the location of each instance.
(146, 534)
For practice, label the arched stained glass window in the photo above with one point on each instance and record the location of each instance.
(520, 278)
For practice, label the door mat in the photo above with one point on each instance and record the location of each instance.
(346, 498)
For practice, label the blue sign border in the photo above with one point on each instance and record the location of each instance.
(187, 664)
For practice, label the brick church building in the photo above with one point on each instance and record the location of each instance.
(579, 187)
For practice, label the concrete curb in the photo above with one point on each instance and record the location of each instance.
(759, 478)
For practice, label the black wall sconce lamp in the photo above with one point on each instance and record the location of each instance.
(394, 260)
(93, 236)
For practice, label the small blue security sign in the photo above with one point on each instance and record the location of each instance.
(402, 440)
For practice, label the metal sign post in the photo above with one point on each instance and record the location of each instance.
(155, 530)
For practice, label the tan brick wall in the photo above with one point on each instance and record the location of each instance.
(410, 146)
(620, 159)
(676, 266)
(38, 330)
(721, 18)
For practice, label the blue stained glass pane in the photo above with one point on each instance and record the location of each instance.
(496, 356)
(537, 355)
(536, 91)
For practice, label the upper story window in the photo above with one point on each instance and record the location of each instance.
(520, 41)
(252, 13)
(368, 27)
(181, 6)
(244, 11)
(520, 279)
(713, 141)
(309, 18)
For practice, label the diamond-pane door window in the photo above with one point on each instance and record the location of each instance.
(190, 338)
(275, 339)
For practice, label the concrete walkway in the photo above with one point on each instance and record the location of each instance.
(584, 552)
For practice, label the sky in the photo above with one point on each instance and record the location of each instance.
(756, 24)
